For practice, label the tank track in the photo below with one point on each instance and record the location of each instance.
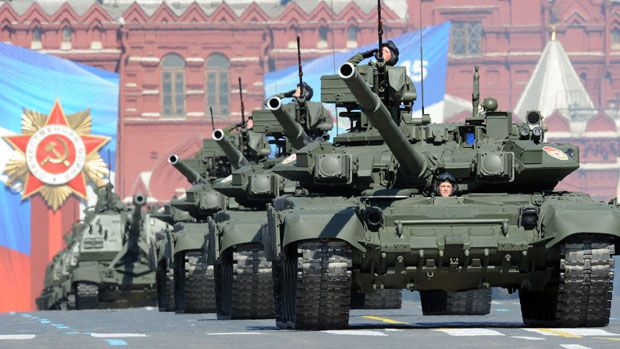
(244, 284)
(71, 301)
(87, 296)
(470, 302)
(582, 295)
(377, 299)
(199, 284)
(316, 286)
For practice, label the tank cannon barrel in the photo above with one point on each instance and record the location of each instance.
(294, 132)
(412, 161)
(237, 159)
(192, 175)
(138, 202)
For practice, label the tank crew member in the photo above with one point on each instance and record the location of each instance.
(296, 93)
(388, 50)
(107, 200)
(446, 185)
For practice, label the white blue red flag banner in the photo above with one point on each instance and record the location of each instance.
(37, 83)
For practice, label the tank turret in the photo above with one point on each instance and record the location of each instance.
(412, 161)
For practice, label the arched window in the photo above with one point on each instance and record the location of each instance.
(36, 34)
(323, 32)
(615, 39)
(173, 85)
(66, 34)
(218, 89)
(352, 33)
(352, 36)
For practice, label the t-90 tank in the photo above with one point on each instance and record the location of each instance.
(243, 275)
(181, 263)
(501, 225)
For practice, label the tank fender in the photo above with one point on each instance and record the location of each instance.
(88, 272)
(192, 237)
(270, 234)
(237, 233)
(558, 223)
(321, 224)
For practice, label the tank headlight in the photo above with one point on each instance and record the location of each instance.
(528, 218)
(537, 131)
(524, 131)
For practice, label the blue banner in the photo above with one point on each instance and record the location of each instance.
(34, 81)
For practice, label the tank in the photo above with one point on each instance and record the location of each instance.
(243, 274)
(181, 262)
(109, 260)
(502, 225)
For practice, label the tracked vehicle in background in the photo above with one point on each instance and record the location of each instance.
(109, 260)
(505, 228)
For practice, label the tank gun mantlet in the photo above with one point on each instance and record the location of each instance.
(252, 185)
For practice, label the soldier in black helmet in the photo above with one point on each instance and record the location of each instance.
(445, 185)
(388, 50)
(304, 91)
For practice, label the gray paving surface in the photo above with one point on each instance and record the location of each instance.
(404, 328)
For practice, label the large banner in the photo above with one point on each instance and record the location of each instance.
(432, 68)
(58, 123)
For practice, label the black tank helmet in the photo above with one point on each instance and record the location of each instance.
(306, 91)
(392, 47)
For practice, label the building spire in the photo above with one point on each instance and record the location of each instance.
(553, 33)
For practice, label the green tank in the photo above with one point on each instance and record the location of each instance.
(243, 275)
(109, 260)
(504, 225)
(181, 261)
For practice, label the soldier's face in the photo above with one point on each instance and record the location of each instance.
(445, 189)
(297, 92)
(387, 54)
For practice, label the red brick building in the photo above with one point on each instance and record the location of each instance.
(177, 58)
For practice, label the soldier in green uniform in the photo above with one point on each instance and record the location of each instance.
(107, 200)
(388, 50)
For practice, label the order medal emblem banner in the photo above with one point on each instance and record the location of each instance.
(58, 123)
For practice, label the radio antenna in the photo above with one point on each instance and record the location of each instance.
(109, 167)
(212, 121)
(421, 59)
(379, 32)
(301, 73)
(242, 106)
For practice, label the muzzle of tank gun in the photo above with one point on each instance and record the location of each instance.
(294, 132)
(139, 200)
(189, 173)
(237, 159)
(411, 161)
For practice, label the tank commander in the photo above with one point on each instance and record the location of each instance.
(296, 93)
(446, 185)
(388, 50)
(107, 200)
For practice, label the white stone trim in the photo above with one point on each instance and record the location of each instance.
(195, 59)
(150, 92)
(151, 115)
(84, 51)
(36, 45)
(586, 53)
(131, 85)
(131, 109)
(195, 114)
(96, 45)
(143, 59)
(66, 45)
(194, 92)
(505, 54)
(308, 50)
(600, 166)
(245, 59)
(351, 44)
(258, 83)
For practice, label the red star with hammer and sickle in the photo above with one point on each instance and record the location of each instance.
(91, 143)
